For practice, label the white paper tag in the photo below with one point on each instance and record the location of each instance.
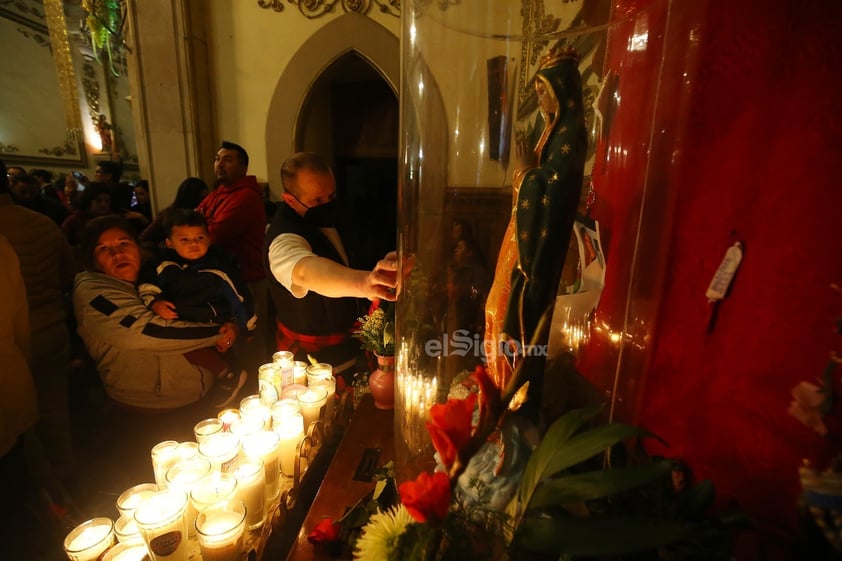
(725, 274)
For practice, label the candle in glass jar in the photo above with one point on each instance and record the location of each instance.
(127, 552)
(212, 489)
(220, 449)
(328, 384)
(183, 476)
(186, 451)
(290, 431)
(126, 530)
(284, 360)
(207, 427)
(253, 405)
(318, 371)
(228, 416)
(162, 525)
(266, 446)
(293, 390)
(249, 424)
(251, 489)
(163, 458)
(268, 383)
(299, 372)
(283, 408)
(220, 529)
(129, 500)
(311, 403)
(89, 540)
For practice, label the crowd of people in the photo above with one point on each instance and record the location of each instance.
(172, 312)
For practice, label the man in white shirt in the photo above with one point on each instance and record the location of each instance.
(314, 289)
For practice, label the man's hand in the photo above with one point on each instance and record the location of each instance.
(227, 336)
(165, 309)
(382, 282)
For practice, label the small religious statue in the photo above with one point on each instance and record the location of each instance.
(546, 188)
(103, 128)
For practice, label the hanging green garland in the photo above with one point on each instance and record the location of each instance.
(104, 22)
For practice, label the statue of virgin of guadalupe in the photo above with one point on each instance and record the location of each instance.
(546, 188)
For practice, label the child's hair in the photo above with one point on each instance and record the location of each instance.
(183, 217)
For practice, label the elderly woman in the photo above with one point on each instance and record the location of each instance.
(139, 355)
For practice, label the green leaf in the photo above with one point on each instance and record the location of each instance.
(588, 444)
(388, 334)
(378, 488)
(558, 433)
(598, 535)
(598, 484)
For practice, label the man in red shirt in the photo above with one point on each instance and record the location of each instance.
(237, 222)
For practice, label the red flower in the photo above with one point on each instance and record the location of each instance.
(450, 427)
(428, 497)
(326, 532)
(374, 305)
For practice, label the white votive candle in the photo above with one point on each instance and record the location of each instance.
(299, 372)
(249, 424)
(253, 405)
(212, 489)
(220, 529)
(268, 383)
(127, 552)
(284, 361)
(329, 384)
(163, 458)
(220, 449)
(126, 530)
(251, 489)
(89, 540)
(228, 416)
(266, 446)
(318, 371)
(283, 408)
(161, 522)
(129, 500)
(290, 431)
(293, 390)
(311, 403)
(207, 427)
(183, 476)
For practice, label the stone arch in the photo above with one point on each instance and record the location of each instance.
(349, 32)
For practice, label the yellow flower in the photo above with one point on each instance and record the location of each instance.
(381, 535)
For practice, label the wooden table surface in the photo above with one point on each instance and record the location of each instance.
(369, 428)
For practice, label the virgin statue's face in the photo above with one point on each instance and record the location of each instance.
(546, 99)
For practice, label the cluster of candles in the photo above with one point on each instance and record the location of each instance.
(416, 393)
(576, 333)
(214, 489)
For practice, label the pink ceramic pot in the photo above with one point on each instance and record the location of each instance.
(381, 382)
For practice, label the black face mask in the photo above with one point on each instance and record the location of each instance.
(323, 216)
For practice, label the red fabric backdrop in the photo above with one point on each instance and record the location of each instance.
(761, 160)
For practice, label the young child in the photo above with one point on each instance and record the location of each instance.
(195, 281)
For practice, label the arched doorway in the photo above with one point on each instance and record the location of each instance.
(350, 115)
(351, 57)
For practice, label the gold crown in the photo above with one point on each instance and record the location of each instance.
(556, 55)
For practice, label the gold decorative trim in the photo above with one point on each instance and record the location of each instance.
(312, 9)
(54, 12)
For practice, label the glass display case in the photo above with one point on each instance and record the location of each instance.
(538, 146)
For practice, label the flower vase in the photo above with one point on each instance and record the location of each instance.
(381, 382)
